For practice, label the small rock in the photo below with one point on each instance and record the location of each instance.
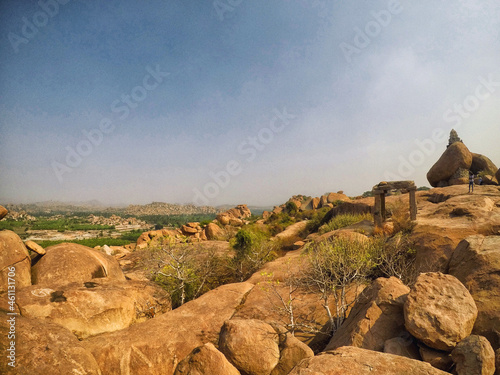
(36, 248)
(437, 358)
(474, 356)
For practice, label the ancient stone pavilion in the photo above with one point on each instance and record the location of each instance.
(379, 192)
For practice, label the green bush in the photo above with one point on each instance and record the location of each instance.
(343, 220)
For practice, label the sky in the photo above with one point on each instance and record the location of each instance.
(239, 101)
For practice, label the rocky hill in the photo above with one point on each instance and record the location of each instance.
(288, 293)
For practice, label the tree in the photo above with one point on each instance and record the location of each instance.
(336, 266)
(187, 272)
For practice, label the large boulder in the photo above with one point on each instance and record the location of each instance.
(292, 351)
(376, 317)
(94, 307)
(214, 232)
(3, 212)
(439, 311)
(292, 234)
(474, 356)
(205, 359)
(456, 156)
(68, 262)
(481, 163)
(476, 263)
(349, 360)
(156, 346)
(42, 349)
(13, 254)
(252, 346)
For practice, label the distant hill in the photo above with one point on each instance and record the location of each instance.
(154, 208)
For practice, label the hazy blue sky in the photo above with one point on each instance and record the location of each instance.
(239, 101)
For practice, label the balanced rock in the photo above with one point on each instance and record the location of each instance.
(349, 360)
(15, 262)
(474, 356)
(439, 311)
(476, 263)
(68, 262)
(456, 156)
(252, 346)
(205, 359)
(3, 212)
(94, 307)
(42, 349)
(376, 317)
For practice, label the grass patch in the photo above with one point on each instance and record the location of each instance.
(343, 220)
(90, 242)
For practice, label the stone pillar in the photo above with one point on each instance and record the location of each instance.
(377, 213)
(382, 206)
(413, 205)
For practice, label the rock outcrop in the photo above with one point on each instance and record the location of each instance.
(69, 262)
(156, 346)
(349, 360)
(439, 311)
(13, 253)
(375, 318)
(94, 307)
(474, 355)
(457, 156)
(481, 163)
(42, 349)
(476, 263)
(235, 216)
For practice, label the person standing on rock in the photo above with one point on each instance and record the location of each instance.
(471, 182)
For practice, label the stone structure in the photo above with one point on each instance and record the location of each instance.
(379, 192)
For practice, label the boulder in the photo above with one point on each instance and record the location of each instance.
(292, 351)
(188, 231)
(205, 359)
(403, 346)
(439, 311)
(497, 175)
(456, 156)
(292, 234)
(13, 253)
(474, 356)
(223, 218)
(349, 360)
(315, 203)
(252, 346)
(437, 358)
(156, 346)
(68, 262)
(3, 212)
(214, 232)
(481, 163)
(476, 263)
(94, 307)
(42, 349)
(334, 197)
(376, 317)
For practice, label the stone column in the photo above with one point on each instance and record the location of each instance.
(377, 212)
(413, 205)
